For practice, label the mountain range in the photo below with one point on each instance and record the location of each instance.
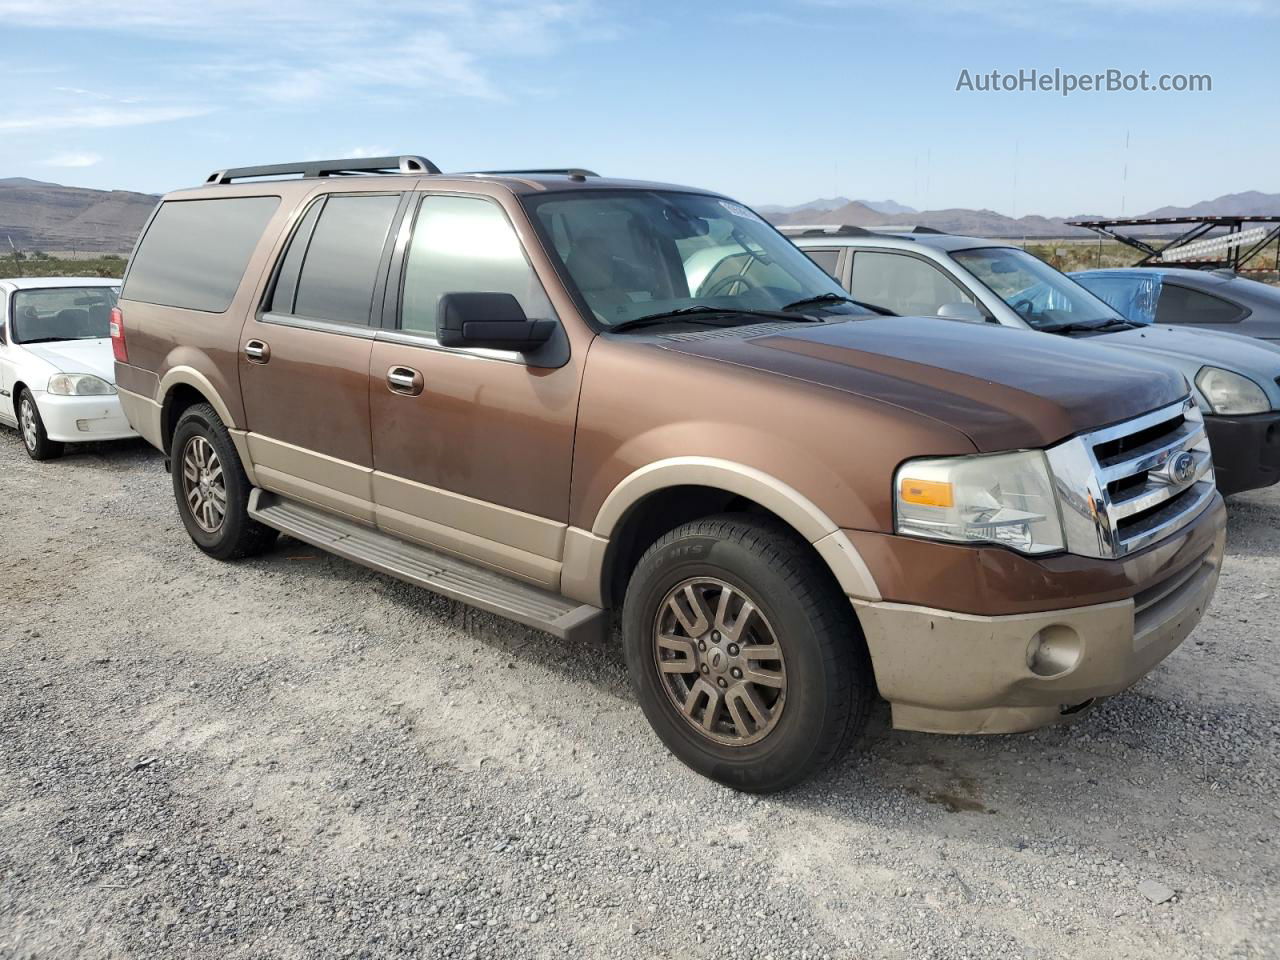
(35, 215)
(834, 203)
(988, 223)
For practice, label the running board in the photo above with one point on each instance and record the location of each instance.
(438, 572)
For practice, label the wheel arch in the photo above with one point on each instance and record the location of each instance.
(183, 387)
(660, 496)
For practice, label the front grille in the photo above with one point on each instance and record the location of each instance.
(1128, 486)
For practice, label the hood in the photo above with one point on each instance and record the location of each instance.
(1003, 388)
(1248, 355)
(77, 356)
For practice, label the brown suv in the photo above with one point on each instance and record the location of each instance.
(552, 395)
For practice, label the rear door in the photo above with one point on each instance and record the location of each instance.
(304, 356)
(474, 458)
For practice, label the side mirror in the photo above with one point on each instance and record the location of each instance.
(967, 312)
(494, 321)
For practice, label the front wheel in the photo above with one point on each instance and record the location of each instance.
(34, 438)
(745, 655)
(211, 488)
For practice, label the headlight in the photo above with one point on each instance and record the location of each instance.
(79, 385)
(1229, 393)
(1004, 498)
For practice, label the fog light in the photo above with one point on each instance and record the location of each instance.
(84, 426)
(1053, 651)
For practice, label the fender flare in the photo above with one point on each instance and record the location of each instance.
(797, 510)
(191, 377)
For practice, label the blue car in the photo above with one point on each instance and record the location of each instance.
(1209, 299)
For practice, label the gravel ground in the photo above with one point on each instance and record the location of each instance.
(295, 757)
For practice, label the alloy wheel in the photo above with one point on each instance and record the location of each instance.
(30, 432)
(720, 662)
(203, 484)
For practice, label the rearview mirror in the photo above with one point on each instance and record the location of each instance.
(962, 311)
(494, 321)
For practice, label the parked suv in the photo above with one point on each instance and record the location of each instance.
(1236, 380)
(539, 393)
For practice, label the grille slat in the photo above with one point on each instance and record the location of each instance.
(1127, 486)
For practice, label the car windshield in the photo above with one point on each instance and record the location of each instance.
(1041, 295)
(644, 253)
(62, 313)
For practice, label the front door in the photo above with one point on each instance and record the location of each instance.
(472, 449)
(304, 359)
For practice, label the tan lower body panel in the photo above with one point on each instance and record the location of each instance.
(516, 543)
(143, 415)
(946, 672)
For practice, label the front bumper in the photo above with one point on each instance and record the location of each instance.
(77, 419)
(947, 672)
(1246, 450)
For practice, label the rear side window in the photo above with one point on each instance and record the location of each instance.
(1184, 305)
(194, 252)
(904, 284)
(331, 267)
(826, 259)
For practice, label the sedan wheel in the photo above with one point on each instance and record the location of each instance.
(30, 432)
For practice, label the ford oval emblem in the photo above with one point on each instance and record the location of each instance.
(1183, 468)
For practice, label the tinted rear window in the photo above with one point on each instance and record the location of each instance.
(341, 266)
(195, 251)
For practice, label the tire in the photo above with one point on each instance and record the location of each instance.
(31, 427)
(803, 640)
(203, 464)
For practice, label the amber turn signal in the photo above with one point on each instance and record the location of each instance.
(927, 493)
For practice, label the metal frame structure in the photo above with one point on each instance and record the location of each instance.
(1152, 249)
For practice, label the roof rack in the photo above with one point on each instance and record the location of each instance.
(328, 168)
(823, 230)
(573, 173)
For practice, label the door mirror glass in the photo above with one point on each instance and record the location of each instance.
(493, 321)
(961, 311)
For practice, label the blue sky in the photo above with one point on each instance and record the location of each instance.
(771, 102)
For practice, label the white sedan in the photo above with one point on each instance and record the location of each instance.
(57, 370)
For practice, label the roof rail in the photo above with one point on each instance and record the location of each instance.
(327, 168)
(574, 173)
(823, 230)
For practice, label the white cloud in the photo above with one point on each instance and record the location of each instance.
(301, 50)
(74, 160)
(97, 118)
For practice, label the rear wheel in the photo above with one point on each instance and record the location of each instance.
(211, 488)
(744, 653)
(34, 438)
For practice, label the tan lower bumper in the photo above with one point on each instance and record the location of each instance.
(947, 672)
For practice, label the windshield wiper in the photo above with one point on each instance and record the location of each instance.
(44, 340)
(698, 312)
(838, 298)
(1077, 326)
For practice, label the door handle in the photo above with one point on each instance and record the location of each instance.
(257, 351)
(405, 380)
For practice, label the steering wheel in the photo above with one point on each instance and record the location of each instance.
(1024, 302)
(726, 283)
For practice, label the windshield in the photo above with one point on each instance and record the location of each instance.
(62, 313)
(1041, 295)
(639, 253)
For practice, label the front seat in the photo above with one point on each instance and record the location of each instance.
(592, 268)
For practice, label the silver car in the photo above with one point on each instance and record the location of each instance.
(1236, 379)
